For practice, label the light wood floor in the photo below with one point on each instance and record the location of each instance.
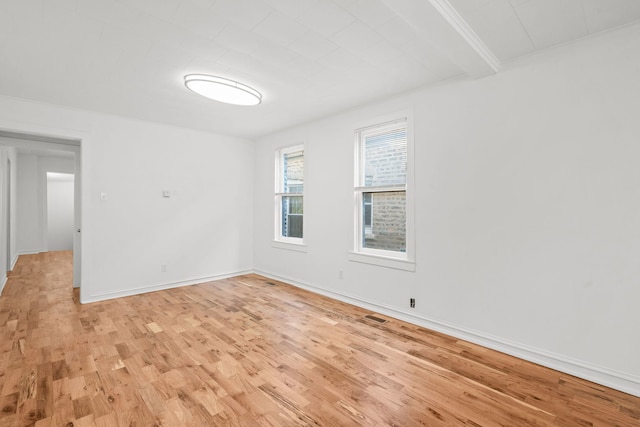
(243, 352)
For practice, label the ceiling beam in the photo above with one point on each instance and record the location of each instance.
(440, 25)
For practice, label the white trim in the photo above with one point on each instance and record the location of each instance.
(466, 32)
(30, 252)
(381, 125)
(158, 287)
(382, 261)
(4, 282)
(290, 246)
(621, 381)
(410, 195)
(381, 188)
(13, 263)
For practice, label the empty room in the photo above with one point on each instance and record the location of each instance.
(319, 213)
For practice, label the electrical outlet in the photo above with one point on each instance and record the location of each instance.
(412, 302)
(340, 274)
(163, 268)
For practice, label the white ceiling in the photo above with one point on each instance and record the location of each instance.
(309, 58)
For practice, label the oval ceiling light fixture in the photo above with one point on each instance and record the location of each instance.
(223, 90)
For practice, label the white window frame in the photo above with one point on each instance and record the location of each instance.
(385, 258)
(280, 241)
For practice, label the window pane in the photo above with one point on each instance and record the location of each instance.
(366, 210)
(292, 214)
(388, 221)
(293, 168)
(384, 158)
(295, 204)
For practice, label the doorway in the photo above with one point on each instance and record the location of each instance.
(49, 149)
(60, 211)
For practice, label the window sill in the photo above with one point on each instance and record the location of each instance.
(383, 261)
(289, 246)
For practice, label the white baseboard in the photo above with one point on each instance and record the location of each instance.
(13, 263)
(597, 374)
(3, 282)
(29, 252)
(101, 296)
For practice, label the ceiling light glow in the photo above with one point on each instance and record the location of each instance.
(223, 90)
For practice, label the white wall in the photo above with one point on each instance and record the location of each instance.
(60, 226)
(63, 240)
(29, 222)
(203, 231)
(31, 198)
(8, 229)
(527, 210)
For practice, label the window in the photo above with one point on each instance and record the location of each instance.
(289, 202)
(381, 190)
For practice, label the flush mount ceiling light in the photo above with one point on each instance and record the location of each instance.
(223, 90)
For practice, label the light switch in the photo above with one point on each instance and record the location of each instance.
(166, 193)
(103, 196)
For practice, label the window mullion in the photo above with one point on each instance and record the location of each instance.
(381, 188)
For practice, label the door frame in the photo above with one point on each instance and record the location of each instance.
(7, 183)
(34, 136)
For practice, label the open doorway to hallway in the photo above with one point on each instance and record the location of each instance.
(46, 208)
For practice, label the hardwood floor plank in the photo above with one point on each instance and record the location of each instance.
(248, 351)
